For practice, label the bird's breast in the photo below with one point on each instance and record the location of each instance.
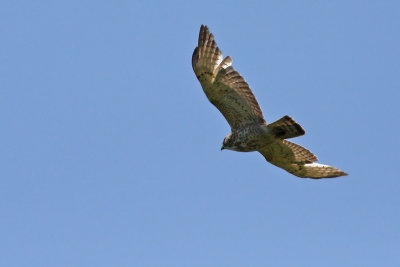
(251, 138)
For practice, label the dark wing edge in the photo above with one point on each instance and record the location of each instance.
(206, 56)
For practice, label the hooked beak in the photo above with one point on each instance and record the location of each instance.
(222, 148)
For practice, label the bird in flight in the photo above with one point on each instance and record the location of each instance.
(230, 93)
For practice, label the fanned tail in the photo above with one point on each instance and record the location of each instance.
(286, 127)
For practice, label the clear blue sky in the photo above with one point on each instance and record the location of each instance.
(110, 151)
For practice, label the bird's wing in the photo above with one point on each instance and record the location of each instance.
(298, 160)
(223, 85)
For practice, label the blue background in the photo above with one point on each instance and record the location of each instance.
(110, 151)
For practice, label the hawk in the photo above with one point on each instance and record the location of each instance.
(229, 92)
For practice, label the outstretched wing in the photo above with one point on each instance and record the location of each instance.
(298, 160)
(223, 85)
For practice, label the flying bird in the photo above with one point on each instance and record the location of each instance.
(230, 93)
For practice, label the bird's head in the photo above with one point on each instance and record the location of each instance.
(227, 143)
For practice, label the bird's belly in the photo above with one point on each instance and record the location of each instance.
(246, 146)
(252, 138)
(253, 143)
